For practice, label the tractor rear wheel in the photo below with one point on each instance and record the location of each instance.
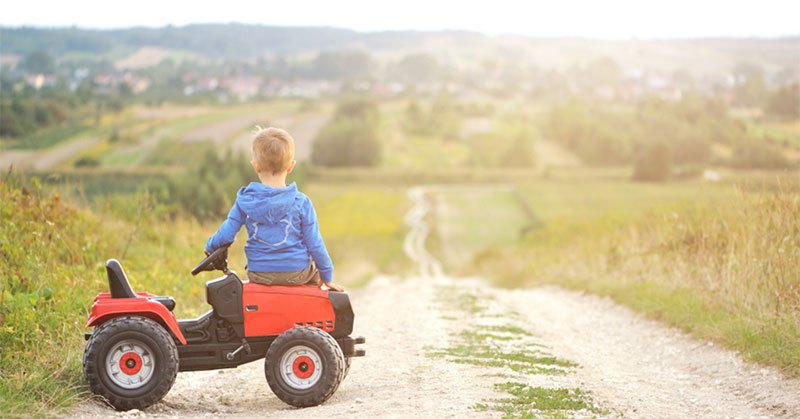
(304, 366)
(131, 362)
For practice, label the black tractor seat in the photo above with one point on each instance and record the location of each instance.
(120, 287)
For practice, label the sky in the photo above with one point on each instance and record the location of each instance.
(607, 19)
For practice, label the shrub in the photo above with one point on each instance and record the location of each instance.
(207, 190)
(87, 161)
(601, 136)
(350, 138)
(759, 155)
(653, 163)
(785, 102)
(441, 120)
(509, 145)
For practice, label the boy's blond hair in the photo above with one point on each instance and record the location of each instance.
(273, 149)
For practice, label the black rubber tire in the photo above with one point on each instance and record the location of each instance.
(346, 366)
(165, 357)
(331, 357)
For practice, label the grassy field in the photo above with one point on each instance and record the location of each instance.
(53, 252)
(49, 137)
(719, 260)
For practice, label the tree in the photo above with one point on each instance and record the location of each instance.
(415, 121)
(752, 91)
(602, 71)
(418, 67)
(654, 162)
(755, 154)
(39, 62)
(351, 138)
(342, 65)
(521, 152)
(785, 102)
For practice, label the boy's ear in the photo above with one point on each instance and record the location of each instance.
(255, 166)
(291, 166)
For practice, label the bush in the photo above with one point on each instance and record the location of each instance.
(509, 145)
(441, 121)
(21, 116)
(87, 161)
(759, 155)
(785, 102)
(603, 137)
(653, 163)
(597, 137)
(207, 190)
(350, 138)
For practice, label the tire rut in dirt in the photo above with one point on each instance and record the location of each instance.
(151, 335)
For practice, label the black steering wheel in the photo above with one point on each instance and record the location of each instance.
(217, 260)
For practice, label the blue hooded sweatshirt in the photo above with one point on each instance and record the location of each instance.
(282, 230)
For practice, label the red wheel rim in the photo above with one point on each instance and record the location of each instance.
(130, 363)
(303, 367)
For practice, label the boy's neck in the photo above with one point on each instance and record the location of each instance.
(275, 181)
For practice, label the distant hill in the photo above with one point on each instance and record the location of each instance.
(458, 48)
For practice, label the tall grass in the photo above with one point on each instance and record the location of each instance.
(729, 271)
(49, 256)
(363, 229)
(51, 266)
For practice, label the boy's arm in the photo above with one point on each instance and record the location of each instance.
(314, 243)
(227, 231)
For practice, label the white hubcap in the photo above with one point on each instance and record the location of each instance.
(130, 364)
(301, 367)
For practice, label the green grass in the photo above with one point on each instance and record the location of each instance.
(172, 152)
(508, 350)
(363, 228)
(491, 350)
(123, 158)
(459, 300)
(505, 346)
(49, 137)
(533, 402)
(473, 218)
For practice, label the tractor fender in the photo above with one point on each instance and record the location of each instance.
(105, 309)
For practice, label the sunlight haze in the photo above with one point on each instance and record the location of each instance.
(608, 19)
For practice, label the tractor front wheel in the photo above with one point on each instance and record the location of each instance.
(304, 366)
(131, 362)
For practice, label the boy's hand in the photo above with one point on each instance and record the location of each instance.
(333, 286)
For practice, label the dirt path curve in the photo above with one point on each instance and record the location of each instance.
(42, 160)
(629, 366)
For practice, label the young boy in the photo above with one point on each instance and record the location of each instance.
(284, 245)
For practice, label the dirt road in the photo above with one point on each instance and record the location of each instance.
(627, 366)
(45, 159)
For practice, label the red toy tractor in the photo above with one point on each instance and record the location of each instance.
(138, 346)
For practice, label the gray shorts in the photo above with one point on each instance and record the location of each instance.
(307, 276)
